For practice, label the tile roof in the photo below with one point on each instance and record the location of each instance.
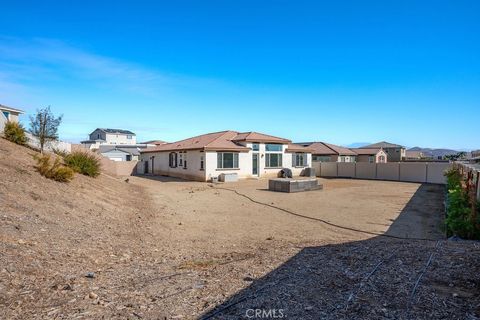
(4, 107)
(382, 144)
(259, 137)
(323, 148)
(223, 140)
(292, 147)
(366, 151)
(211, 141)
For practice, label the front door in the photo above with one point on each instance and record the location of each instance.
(255, 164)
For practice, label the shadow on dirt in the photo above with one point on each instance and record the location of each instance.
(369, 279)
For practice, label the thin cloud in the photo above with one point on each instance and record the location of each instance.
(54, 60)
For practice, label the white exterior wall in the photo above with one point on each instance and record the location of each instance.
(161, 165)
(120, 139)
(193, 172)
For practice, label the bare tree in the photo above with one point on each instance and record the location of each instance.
(44, 125)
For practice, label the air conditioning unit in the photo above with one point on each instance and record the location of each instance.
(228, 177)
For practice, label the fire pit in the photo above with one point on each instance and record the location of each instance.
(293, 185)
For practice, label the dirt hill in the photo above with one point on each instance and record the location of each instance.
(52, 234)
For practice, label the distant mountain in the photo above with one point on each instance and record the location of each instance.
(434, 153)
(358, 144)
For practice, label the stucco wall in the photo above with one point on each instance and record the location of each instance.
(118, 168)
(245, 164)
(120, 139)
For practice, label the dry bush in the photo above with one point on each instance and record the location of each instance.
(15, 133)
(53, 170)
(83, 162)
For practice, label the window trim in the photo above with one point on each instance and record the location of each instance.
(236, 158)
(295, 157)
(268, 160)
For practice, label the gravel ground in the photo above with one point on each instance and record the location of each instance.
(159, 248)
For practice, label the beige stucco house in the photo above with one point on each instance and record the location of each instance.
(395, 152)
(205, 157)
(371, 155)
(8, 114)
(327, 152)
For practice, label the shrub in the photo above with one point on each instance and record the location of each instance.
(15, 132)
(83, 162)
(460, 220)
(55, 171)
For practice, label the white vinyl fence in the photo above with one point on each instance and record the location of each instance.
(50, 146)
(394, 171)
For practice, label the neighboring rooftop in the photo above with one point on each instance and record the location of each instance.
(382, 144)
(323, 148)
(127, 149)
(155, 142)
(366, 151)
(115, 131)
(4, 107)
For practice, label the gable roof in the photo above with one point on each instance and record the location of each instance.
(130, 150)
(4, 107)
(323, 148)
(367, 151)
(382, 144)
(293, 147)
(115, 131)
(155, 142)
(259, 137)
(211, 141)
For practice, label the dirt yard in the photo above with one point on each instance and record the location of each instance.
(161, 248)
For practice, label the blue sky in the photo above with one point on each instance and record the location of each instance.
(338, 71)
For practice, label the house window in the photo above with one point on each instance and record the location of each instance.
(381, 159)
(299, 160)
(342, 159)
(128, 157)
(180, 160)
(322, 158)
(271, 147)
(227, 160)
(6, 114)
(98, 135)
(371, 159)
(201, 163)
(129, 136)
(172, 160)
(273, 160)
(255, 146)
(185, 161)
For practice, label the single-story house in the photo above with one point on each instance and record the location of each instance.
(395, 152)
(327, 152)
(371, 155)
(246, 154)
(8, 114)
(120, 153)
